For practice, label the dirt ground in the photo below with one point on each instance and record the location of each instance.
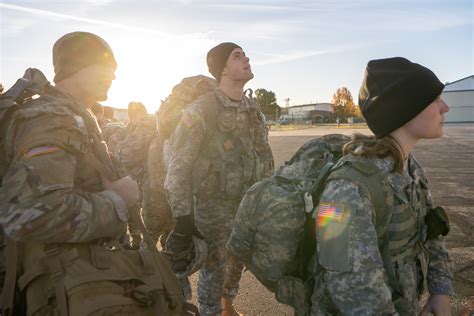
(449, 163)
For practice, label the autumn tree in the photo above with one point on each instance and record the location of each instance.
(266, 100)
(343, 103)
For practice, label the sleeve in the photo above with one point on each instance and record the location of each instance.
(40, 202)
(440, 265)
(439, 268)
(348, 251)
(185, 145)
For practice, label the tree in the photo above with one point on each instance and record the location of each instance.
(343, 103)
(266, 100)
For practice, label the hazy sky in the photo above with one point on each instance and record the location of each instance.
(302, 50)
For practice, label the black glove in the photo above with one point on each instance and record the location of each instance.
(180, 243)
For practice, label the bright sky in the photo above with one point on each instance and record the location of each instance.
(301, 50)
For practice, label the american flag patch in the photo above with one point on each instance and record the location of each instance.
(328, 212)
(42, 150)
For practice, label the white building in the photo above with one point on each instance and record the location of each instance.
(459, 95)
(305, 109)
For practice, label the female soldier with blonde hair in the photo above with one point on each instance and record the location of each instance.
(376, 256)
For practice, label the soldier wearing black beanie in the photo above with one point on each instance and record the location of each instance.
(394, 91)
(217, 58)
(390, 227)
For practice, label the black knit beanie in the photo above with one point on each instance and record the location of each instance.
(217, 58)
(394, 91)
(77, 50)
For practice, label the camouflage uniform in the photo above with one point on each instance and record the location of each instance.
(352, 278)
(113, 133)
(53, 204)
(218, 150)
(132, 153)
(157, 212)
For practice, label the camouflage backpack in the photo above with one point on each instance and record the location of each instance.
(274, 231)
(23, 90)
(168, 117)
(182, 95)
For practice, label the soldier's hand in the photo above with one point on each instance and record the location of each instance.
(126, 187)
(437, 305)
(180, 243)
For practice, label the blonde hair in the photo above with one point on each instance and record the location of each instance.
(369, 146)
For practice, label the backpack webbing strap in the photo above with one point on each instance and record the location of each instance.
(57, 278)
(8, 292)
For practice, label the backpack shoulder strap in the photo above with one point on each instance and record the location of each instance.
(373, 185)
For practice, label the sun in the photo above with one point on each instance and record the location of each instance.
(149, 67)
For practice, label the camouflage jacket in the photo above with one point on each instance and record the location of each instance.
(354, 282)
(219, 148)
(132, 152)
(51, 193)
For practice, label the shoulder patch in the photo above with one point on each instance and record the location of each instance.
(333, 236)
(328, 212)
(42, 150)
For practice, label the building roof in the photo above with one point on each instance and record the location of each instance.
(309, 104)
(463, 84)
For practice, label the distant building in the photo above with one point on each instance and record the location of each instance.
(459, 95)
(305, 109)
(316, 112)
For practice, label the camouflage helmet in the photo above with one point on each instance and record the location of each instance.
(199, 257)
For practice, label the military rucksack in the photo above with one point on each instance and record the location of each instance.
(32, 83)
(168, 117)
(182, 95)
(274, 231)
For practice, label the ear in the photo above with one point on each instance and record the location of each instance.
(224, 71)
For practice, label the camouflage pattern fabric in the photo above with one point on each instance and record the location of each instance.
(351, 280)
(194, 171)
(132, 153)
(67, 211)
(214, 158)
(113, 133)
(34, 202)
(220, 275)
(156, 210)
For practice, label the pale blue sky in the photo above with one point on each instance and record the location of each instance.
(302, 50)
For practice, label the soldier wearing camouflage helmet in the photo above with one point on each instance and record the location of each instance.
(64, 204)
(218, 150)
(378, 261)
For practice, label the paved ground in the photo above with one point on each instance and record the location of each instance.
(450, 167)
